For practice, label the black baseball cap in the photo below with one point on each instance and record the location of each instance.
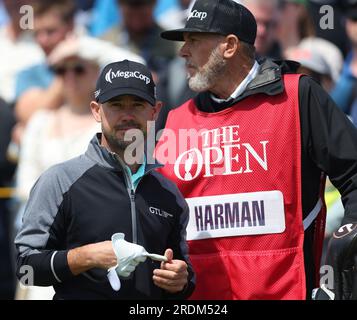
(125, 78)
(217, 16)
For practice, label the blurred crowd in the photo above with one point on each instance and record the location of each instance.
(48, 73)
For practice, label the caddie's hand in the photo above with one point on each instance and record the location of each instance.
(342, 257)
(172, 276)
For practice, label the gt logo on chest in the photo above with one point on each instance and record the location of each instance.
(160, 212)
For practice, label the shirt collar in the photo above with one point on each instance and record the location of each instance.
(135, 178)
(242, 86)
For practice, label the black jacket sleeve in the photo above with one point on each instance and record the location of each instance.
(329, 144)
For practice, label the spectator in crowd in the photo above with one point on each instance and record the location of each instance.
(7, 279)
(3, 14)
(328, 17)
(140, 33)
(7, 121)
(18, 49)
(312, 63)
(105, 15)
(176, 16)
(266, 13)
(331, 54)
(37, 86)
(84, 13)
(295, 23)
(345, 91)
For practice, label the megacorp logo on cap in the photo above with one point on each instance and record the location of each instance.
(110, 75)
(197, 14)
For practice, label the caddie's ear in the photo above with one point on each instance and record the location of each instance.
(95, 108)
(231, 46)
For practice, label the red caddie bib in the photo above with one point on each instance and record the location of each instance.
(240, 172)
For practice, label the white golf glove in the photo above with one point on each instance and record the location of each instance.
(129, 255)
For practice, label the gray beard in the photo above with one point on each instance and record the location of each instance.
(204, 79)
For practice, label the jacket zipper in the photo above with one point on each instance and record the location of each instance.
(131, 192)
(133, 216)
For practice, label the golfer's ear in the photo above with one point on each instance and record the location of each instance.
(156, 109)
(95, 108)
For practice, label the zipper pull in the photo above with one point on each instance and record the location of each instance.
(132, 194)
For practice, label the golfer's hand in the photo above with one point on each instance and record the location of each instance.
(172, 276)
(103, 255)
(95, 255)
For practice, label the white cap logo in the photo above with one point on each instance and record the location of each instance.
(198, 15)
(97, 93)
(110, 75)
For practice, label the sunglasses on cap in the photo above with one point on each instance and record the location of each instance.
(77, 69)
